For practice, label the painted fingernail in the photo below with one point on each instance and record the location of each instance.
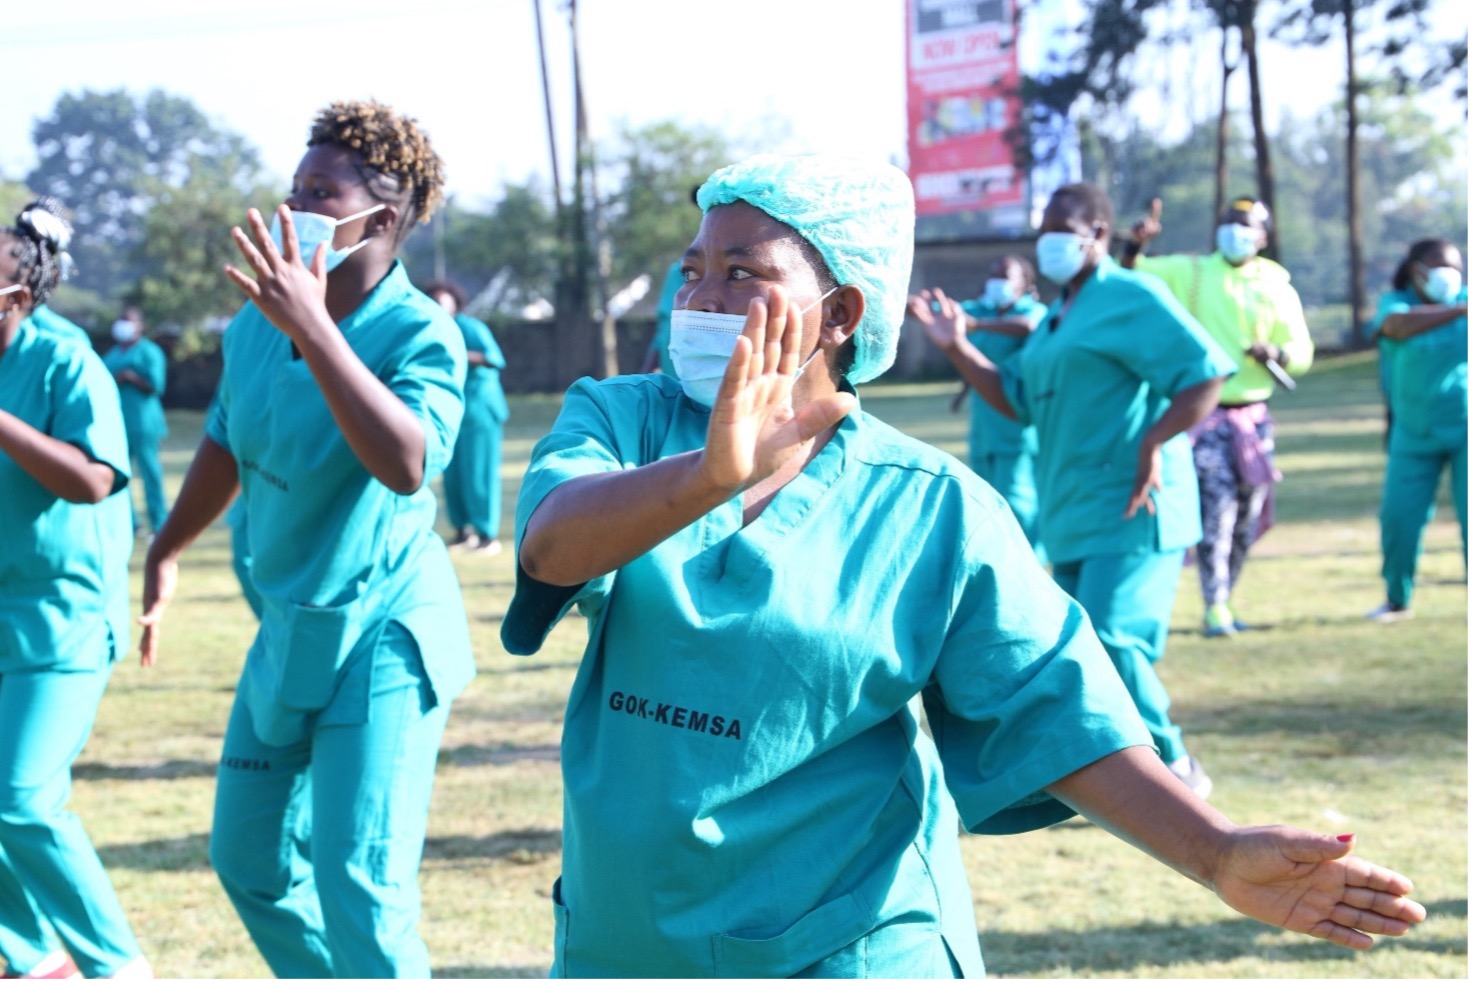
(1345, 837)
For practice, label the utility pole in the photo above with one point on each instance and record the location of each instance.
(603, 253)
(1352, 185)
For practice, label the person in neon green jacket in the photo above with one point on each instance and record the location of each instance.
(1248, 306)
(774, 581)
(340, 402)
(1422, 324)
(141, 370)
(65, 539)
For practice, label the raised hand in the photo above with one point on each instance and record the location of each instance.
(754, 430)
(1147, 228)
(941, 317)
(291, 296)
(1308, 882)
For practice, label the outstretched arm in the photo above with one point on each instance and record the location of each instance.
(946, 329)
(1419, 320)
(596, 523)
(1288, 877)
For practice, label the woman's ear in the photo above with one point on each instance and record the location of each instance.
(841, 316)
(384, 221)
(17, 301)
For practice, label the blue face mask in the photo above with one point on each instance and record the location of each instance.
(1238, 243)
(1061, 255)
(701, 345)
(1000, 294)
(1441, 284)
(313, 229)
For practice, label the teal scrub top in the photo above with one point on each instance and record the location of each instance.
(673, 281)
(63, 566)
(483, 382)
(1425, 377)
(991, 432)
(747, 788)
(335, 554)
(45, 319)
(1092, 383)
(143, 413)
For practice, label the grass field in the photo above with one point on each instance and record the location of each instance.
(1319, 719)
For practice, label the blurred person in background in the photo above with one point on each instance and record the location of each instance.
(141, 368)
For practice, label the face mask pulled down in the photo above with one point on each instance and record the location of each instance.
(313, 230)
(701, 345)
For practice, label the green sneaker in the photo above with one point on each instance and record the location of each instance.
(1219, 622)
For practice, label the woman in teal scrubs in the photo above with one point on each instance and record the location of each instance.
(1002, 451)
(772, 576)
(63, 616)
(140, 368)
(472, 481)
(1422, 324)
(1112, 381)
(340, 401)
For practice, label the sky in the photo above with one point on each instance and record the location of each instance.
(786, 75)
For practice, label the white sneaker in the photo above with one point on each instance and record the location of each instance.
(137, 969)
(1388, 613)
(1189, 770)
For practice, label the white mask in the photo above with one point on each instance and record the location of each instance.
(1441, 284)
(1000, 294)
(123, 331)
(1238, 243)
(313, 229)
(1061, 255)
(701, 345)
(10, 289)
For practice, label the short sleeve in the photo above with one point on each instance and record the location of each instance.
(1395, 302)
(87, 411)
(583, 441)
(1162, 343)
(1023, 693)
(217, 419)
(430, 379)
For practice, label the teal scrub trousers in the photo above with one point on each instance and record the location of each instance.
(148, 470)
(318, 843)
(1012, 475)
(1128, 597)
(51, 880)
(473, 478)
(1407, 505)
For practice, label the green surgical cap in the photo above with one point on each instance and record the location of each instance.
(858, 215)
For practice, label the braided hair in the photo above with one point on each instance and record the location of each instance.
(41, 234)
(397, 163)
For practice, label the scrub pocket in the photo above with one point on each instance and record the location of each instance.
(814, 937)
(293, 670)
(559, 931)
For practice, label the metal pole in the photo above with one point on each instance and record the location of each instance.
(547, 105)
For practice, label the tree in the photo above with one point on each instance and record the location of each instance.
(185, 241)
(106, 154)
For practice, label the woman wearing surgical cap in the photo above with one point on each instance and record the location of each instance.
(772, 576)
(1112, 380)
(140, 368)
(1422, 324)
(340, 401)
(65, 537)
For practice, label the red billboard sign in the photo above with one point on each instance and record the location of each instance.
(961, 68)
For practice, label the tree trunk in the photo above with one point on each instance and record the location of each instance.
(1259, 127)
(1352, 185)
(578, 344)
(1221, 143)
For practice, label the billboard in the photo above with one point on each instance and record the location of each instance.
(962, 75)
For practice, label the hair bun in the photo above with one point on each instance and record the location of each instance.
(49, 227)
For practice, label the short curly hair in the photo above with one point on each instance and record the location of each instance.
(397, 159)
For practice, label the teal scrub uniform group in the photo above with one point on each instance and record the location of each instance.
(143, 416)
(324, 780)
(473, 478)
(1002, 450)
(1092, 382)
(1426, 381)
(747, 789)
(63, 622)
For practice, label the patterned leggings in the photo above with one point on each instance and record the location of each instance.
(1230, 510)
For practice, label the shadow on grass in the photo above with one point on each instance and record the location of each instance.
(173, 855)
(518, 846)
(490, 972)
(167, 771)
(1160, 944)
(1353, 725)
(470, 755)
